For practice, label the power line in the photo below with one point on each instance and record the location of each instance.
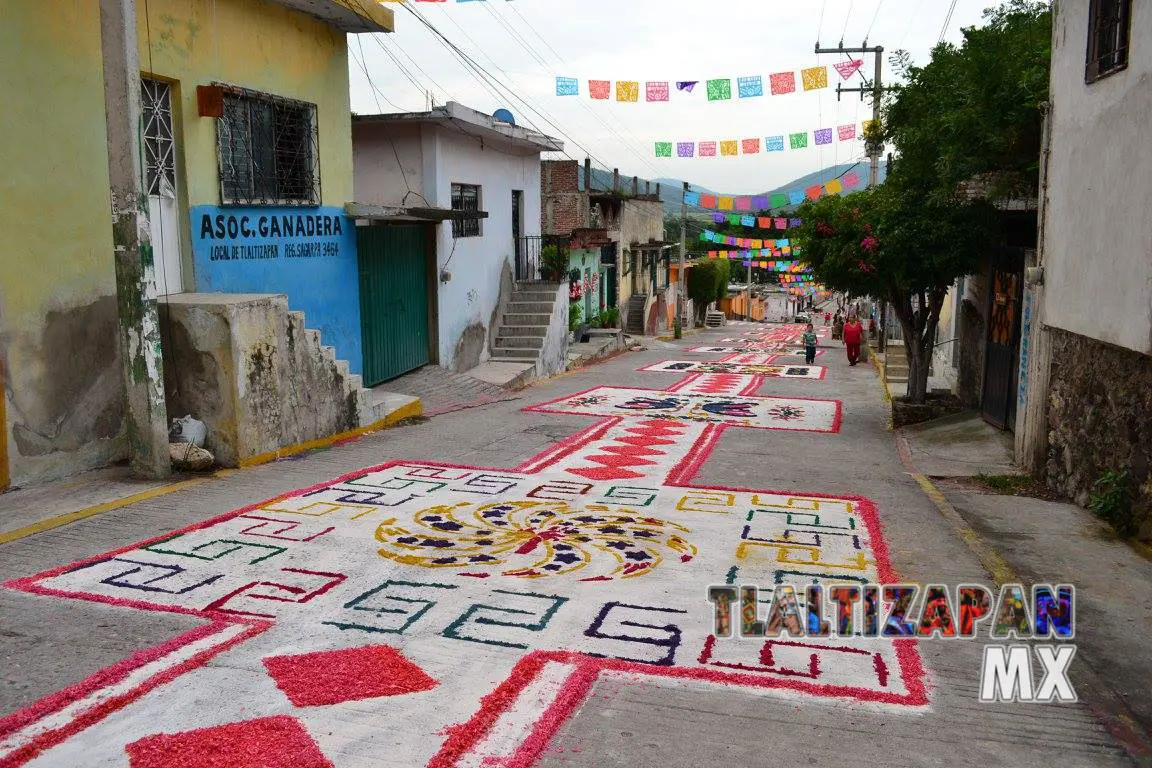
(879, 5)
(471, 63)
(947, 21)
(630, 146)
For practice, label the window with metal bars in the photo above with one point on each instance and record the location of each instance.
(1108, 38)
(465, 197)
(267, 150)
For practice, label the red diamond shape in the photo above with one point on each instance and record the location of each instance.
(632, 450)
(619, 461)
(643, 441)
(605, 473)
(333, 677)
(269, 742)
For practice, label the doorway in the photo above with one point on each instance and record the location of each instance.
(159, 146)
(517, 227)
(1002, 352)
(394, 288)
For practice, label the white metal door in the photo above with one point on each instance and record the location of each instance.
(160, 177)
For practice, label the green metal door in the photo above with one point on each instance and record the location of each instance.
(393, 300)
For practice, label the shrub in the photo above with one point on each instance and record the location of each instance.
(609, 317)
(575, 313)
(1111, 499)
(553, 263)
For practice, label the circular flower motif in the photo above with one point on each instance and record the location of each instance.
(533, 539)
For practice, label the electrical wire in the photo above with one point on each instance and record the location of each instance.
(483, 73)
(871, 24)
(520, 40)
(947, 21)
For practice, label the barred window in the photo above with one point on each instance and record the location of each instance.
(1108, 37)
(465, 197)
(267, 148)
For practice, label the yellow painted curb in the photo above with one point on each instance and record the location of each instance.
(406, 412)
(80, 514)
(993, 561)
(409, 411)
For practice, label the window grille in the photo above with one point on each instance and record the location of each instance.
(1108, 38)
(267, 150)
(465, 197)
(159, 141)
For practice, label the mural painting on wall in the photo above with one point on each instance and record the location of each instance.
(376, 610)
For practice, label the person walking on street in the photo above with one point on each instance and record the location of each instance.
(853, 336)
(809, 345)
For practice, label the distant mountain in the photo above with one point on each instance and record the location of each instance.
(670, 188)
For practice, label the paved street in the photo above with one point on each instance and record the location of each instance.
(520, 584)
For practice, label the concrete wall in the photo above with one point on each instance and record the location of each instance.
(946, 353)
(378, 179)
(248, 369)
(1098, 250)
(58, 317)
(640, 221)
(58, 326)
(466, 303)
(554, 355)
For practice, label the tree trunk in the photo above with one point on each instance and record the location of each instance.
(919, 328)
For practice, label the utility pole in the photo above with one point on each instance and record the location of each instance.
(145, 412)
(682, 277)
(748, 316)
(876, 89)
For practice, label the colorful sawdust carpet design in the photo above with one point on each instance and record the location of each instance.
(771, 371)
(465, 610)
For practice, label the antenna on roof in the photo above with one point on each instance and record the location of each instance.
(503, 116)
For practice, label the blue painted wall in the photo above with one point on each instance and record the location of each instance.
(309, 254)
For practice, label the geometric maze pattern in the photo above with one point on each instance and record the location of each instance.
(419, 613)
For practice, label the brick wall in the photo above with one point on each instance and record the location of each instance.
(559, 176)
(562, 206)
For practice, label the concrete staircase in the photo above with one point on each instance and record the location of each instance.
(532, 339)
(524, 326)
(634, 314)
(895, 363)
(264, 383)
(314, 359)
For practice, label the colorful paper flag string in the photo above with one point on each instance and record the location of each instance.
(751, 146)
(716, 89)
(848, 181)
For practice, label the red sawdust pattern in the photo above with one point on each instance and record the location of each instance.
(270, 742)
(350, 674)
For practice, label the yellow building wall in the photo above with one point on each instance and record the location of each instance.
(58, 324)
(257, 45)
(58, 330)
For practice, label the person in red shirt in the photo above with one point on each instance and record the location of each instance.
(853, 336)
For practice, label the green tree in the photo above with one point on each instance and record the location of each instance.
(890, 242)
(973, 113)
(707, 282)
(974, 109)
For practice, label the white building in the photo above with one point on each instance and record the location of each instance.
(439, 166)
(1086, 373)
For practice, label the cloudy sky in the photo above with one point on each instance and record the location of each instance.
(526, 44)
